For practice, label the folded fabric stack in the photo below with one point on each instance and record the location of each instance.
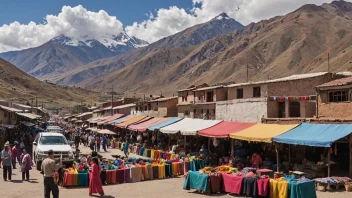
(333, 180)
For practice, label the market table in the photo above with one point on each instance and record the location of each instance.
(215, 183)
(302, 189)
(120, 176)
(232, 183)
(75, 179)
(111, 176)
(195, 180)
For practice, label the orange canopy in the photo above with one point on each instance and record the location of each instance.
(130, 121)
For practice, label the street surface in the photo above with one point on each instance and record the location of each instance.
(152, 189)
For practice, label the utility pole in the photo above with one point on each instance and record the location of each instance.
(32, 106)
(247, 72)
(36, 101)
(328, 62)
(112, 99)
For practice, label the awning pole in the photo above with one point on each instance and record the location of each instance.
(169, 142)
(209, 144)
(184, 143)
(232, 149)
(350, 155)
(277, 158)
(329, 162)
(289, 154)
(329, 166)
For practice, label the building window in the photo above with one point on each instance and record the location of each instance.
(194, 112)
(338, 96)
(256, 92)
(5, 114)
(239, 93)
(145, 108)
(149, 107)
(136, 108)
(210, 96)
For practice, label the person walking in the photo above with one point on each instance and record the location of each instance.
(91, 140)
(15, 154)
(26, 165)
(95, 185)
(105, 142)
(98, 142)
(49, 166)
(6, 162)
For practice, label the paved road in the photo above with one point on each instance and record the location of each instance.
(153, 189)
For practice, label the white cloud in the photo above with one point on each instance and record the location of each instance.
(172, 20)
(74, 22)
(77, 21)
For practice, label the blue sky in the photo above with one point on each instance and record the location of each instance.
(96, 19)
(127, 11)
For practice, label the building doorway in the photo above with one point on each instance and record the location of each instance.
(282, 109)
(295, 109)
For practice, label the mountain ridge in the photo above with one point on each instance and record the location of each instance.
(62, 53)
(187, 38)
(281, 46)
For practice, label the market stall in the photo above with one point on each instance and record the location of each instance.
(109, 119)
(168, 122)
(189, 126)
(132, 120)
(316, 135)
(143, 126)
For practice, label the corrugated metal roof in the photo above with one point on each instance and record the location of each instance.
(338, 82)
(208, 88)
(124, 106)
(10, 109)
(164, 99)
(289, 78)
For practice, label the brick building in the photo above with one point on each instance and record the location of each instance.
(201, 101)
(334, 99)
(288, 97)
(162, 107)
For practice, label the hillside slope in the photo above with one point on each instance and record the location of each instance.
(192, 36)
(17, 86)
(298, 42)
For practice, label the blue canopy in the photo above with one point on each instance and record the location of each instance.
(319, 135)
(163, 124)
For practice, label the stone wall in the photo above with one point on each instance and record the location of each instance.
(242, 110)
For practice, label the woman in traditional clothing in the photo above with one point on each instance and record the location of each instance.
(95, 185)
(26, 165)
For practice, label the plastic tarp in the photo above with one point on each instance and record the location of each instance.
(164, 124)
(130, 121)
(145, 125)
(111, 118)
(29, 115)
(106, 131)
(120, 120)
(223, 129)
(319, 135)
(98, 119)
(262, 132)
(189, 126)
(28, 124)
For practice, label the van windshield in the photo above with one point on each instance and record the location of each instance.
(52, 140)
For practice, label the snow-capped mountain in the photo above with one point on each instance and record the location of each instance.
(63, 54)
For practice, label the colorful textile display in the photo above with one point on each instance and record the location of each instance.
(195, 180)
(232, 183)
(278, 188)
